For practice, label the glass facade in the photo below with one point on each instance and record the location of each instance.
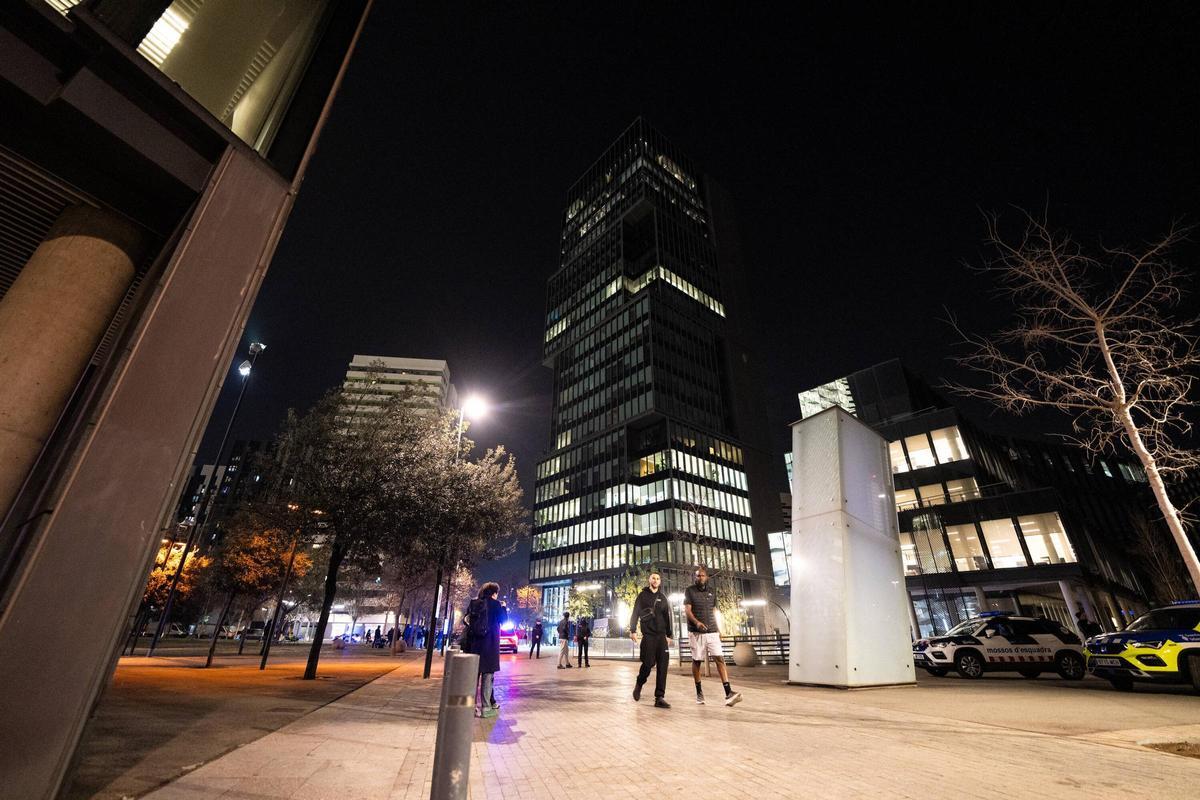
(645, 467)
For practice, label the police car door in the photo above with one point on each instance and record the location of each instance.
(997, 649)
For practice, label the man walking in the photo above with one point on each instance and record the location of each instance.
(535, 639)
(704, 639)
(652, 611)
(564, 641)
(583, 632)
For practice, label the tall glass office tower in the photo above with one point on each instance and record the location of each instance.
(658, 453)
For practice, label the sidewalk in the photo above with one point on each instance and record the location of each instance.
(578, 733)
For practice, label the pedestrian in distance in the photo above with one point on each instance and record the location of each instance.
(583, 633)
(535, 639)
(704, 638)
(564, 641)
(652, 612)
(481, 637)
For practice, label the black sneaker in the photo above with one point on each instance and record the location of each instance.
(568, 666)
(637, 692)
(660, 703)
(699, 698)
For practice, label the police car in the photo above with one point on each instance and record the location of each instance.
(1161, 646)
(999, 642)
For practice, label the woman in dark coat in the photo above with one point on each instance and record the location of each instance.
(482, 621)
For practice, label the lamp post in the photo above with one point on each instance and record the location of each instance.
(759, 602)
(201, 524)
(472, 407)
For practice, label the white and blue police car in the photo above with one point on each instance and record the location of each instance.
(999, 642)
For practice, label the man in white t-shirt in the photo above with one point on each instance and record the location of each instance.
(704, 638)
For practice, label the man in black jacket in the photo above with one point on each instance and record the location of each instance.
(652, 611)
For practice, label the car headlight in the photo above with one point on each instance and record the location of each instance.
(1154, 645)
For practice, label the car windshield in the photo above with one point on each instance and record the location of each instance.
(964, 628)
(1161, 619)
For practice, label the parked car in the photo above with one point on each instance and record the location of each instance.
(509, 638)
(1161, 646)
(998, 642)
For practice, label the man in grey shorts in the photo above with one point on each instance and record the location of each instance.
(704, 638)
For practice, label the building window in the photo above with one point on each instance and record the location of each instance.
(897, 454)
(1046, 539)
(908, 551)
(905, 498)
(962, 489)
(241, 61)
(966, 547)
(920, 454)
(932, 495)
(948, 444)
(1003, 544)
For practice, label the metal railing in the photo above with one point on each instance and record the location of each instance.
(772, 648)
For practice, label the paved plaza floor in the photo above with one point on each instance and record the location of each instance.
(578, 733)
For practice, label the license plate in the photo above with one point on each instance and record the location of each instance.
(1107, 662)
(918, 656)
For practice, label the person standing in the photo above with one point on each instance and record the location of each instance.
(564, 641)
(535, 639)
(652, 611)
(583, 633)
(481, 636)
(704, 638)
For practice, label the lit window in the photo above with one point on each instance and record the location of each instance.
(897, 456)
(1046, 539)
(908, 550)
(1003, 544)
(966, 547)
(962, 489)
(932, 495)
(920, 454)
(905, 498)
(949, 445)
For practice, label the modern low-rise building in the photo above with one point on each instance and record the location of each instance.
(996, 522)
(372, 380)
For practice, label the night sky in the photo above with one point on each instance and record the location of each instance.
(860, 151)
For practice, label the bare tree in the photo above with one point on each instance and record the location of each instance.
(1159, 560)
(1095, 338)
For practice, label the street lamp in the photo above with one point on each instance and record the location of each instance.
(472, 407)
(759, 601)
(202, 518)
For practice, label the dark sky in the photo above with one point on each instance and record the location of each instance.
(860, 151)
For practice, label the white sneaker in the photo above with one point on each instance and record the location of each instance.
(733, 698)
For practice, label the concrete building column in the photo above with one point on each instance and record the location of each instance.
(912, 617)
(51, 321)
(1089, 607)
(1068, 594)
(981, 599)
(1115, 606)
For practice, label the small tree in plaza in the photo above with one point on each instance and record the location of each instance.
(1095, 339)
(529, 604)
(635, 578)
(251, 563)
(582, 604)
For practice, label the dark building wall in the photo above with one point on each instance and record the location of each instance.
(83, 111)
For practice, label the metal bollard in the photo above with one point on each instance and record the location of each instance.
(456, 727)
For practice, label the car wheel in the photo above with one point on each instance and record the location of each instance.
(1192, 664)
(1122, 684)
(969, 664)
(1029, 673)
(936, 672)
(1070, 666)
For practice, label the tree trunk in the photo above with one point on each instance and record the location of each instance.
(336, 554)
(1169, 512)
(212, 646)
(430, 634)
(398, 630)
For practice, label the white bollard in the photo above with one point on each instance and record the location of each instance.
(456, 727)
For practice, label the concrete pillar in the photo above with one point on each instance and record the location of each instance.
(1115, 607)
(1016, 601)
(1089, 607)
(981, 599)
(1072, 608)
(51, 321)
(912, 618)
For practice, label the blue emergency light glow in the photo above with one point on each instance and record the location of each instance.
(1185, 602)
(993, 613)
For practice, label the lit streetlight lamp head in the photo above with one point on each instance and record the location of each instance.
(474, 407)
(256, 348)
(244, 369)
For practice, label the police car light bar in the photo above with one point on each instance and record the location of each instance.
(993, 613)
(1184, 602)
